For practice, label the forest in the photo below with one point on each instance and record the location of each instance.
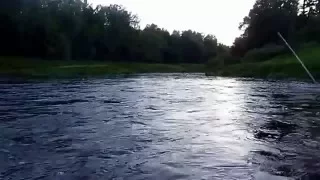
(260, 52)
(76, 30)
(298, 21)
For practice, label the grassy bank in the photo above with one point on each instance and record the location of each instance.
(283, 66)
(19, 67)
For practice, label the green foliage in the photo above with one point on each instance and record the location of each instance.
(215, 63)
(267, 52)
(282, 66)
(312, 44)
(309, 30)
(265, 19)
(263, 53)
(223, 60)
(298, 23)
(74, 30)
(33, 68)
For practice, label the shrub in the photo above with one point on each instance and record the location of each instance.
(222, 60)
(310, 44)
(267, 52)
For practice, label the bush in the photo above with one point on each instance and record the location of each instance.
(264, 53)
(310, 44)
(310, 31)
(222, 60)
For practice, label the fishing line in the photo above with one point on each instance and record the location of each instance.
(295, 54)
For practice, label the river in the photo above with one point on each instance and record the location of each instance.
(159, 126)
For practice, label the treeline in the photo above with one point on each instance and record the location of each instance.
(73, 29)
(298, 21)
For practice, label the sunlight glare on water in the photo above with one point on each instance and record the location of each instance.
(159, 126)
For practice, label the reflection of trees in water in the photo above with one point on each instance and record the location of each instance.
(292, 137)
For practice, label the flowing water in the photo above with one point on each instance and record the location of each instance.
(169, 126)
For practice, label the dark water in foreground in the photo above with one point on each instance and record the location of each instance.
(159, 127)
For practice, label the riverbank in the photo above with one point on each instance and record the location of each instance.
(283, 66)
(31, 68)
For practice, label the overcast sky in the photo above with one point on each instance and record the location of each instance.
(218, 17)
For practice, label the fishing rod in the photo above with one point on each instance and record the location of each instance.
(301, 62)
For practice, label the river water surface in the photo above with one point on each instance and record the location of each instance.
(169, 126)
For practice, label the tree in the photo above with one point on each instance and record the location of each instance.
(73, 29)
(265, 19)
(192, 46)
(310, 8)
(210, 46)
(153, 42)
(9, 34)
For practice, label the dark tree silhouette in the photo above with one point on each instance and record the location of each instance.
(73, 29)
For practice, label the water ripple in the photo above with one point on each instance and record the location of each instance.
(159, 126)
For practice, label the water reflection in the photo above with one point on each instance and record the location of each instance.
(175, 126)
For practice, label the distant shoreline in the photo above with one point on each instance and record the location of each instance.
(32, 68)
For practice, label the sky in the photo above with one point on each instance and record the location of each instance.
(217, 17)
